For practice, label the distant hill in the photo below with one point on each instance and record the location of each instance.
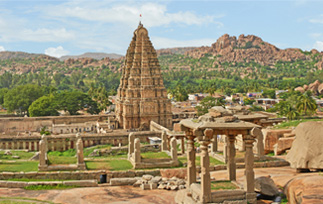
(5, 55)
(93, 55)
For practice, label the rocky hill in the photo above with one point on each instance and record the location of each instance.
(7, 55)
(93, 55)
(250, 48)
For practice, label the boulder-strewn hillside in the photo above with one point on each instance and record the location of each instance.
(250, 48)
(93, 55)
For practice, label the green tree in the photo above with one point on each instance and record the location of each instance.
(207, 103)
(73, 101)
(43, 106)
(3, 92)
(306, 104)
(269, 94)
(21, 97)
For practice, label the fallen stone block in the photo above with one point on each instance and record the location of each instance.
(145, 186)
(122, 181)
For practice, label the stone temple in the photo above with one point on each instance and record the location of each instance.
(142, 96)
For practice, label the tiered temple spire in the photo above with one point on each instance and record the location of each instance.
(142, 96)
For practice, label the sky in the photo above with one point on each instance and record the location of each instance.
(72, 27)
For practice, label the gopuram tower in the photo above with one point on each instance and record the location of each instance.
(142, 96)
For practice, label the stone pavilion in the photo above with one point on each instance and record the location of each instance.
(142, 96)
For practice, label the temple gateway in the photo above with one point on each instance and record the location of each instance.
(142, 96)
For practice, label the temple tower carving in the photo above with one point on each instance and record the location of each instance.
(142, 96)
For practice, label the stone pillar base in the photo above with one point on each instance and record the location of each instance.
(42, 167)
(81, 166)
(251, 197)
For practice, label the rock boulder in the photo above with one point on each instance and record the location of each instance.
(266, 186)
(307, 151)
(307, 189)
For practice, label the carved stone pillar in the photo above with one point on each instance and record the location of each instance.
(214, 145)
(164, 141)
(79, 152)
(137, 156)
(205, 166)
(249, 173)
(225, 149)
(42, 156)
(173, 143)
(191, 168)
(256, 132)
(231, 164)
(182, 146)
(131, 144)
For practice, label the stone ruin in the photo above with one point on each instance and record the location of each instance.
(203, 131)
(44, 162)
(138, 162)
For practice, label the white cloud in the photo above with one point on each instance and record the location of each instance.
(153, 14)
(56, 52)
(160, 42)
(2, 49)
(318, 45)
(47, 35)
(317, 20)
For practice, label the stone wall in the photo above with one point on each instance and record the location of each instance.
(33, 124)
(65, 142)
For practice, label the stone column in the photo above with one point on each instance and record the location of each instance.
(7, 145)
(35, 146)
(64, 144)
(225, 149)
(191, 168)
(256, 132)
(249, 173)
(53, 145)
(131, 144)
(205, 167)
(24, 145)
(13, 146)
(214, 145)
(42, 156)
(182, 145)
(231, 165)
(164, 141)
(79, 152)
(173, 143)
(137, 157)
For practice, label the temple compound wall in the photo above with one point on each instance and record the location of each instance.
(68, 141)
(33, 124)
(142, 96)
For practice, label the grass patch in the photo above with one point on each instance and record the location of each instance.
(222, 185)
(48, 187)
(65, 157)
(198, 161)
(112, 164)
(18, 166)
(294, 123)
(22, 154)
(284, 201)
(89, 150)
(155, 155)
(271, 154)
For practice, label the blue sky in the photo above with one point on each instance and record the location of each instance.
(73, 27)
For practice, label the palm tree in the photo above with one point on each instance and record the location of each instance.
(306, 104)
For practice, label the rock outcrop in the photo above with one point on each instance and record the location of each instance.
(307, 189)
(246, 49)
(307, 151)
(316, 88)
